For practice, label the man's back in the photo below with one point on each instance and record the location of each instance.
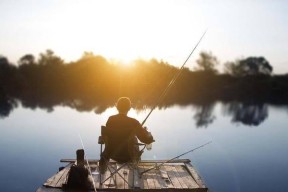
(121, 132)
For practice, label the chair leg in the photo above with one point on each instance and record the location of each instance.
(136, 181)
(109, 177)
(116, 171)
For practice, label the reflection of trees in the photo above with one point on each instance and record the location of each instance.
(6, 105)
(7, 78)
(204, 115)
(248, 114)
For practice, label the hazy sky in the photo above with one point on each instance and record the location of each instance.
(131, 29)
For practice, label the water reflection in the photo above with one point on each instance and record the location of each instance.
(247, 113)
(204, 115)
(7, 104)
(252, 114)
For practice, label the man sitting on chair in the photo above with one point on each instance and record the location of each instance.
(121, 135)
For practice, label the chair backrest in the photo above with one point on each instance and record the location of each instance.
(102, 137)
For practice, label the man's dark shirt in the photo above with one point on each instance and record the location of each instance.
(121, 132)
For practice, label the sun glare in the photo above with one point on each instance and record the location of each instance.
(122, 33)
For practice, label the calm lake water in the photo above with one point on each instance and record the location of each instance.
(249, 149)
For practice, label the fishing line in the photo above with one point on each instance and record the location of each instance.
(164, 93)
(94, 186)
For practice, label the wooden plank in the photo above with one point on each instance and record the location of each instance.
(145, 183)
(160, 180)
(95, 174)
(154, 178)
(119, 177)
(49, 180)
(195, 175)
(144, 177)
(128, 177)
(90, 161)
(52, 181)
(95, 161)
(63, 178)
(109, 183)
(166, 178)
(44, 189)
(179, 175)
(150, 180)
(172, 177)
(138, 182)
(102, 178)
(187, 178)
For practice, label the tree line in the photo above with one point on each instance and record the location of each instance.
(94, 83)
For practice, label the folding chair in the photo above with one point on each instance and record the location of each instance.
(132, 164)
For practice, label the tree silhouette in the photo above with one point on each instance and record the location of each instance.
(9, 80)
(49, 58)
(249, 66)
(207, 62)
(3, 61)
(27, 59)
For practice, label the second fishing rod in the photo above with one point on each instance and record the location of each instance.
(175, 77)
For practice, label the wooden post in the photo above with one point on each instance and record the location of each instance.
(80, 157)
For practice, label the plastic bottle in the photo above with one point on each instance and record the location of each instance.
(149, 146)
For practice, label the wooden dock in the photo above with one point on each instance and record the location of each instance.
(178, 175)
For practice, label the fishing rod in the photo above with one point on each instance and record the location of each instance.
(164, 93)
(90, 172)
(157, 166)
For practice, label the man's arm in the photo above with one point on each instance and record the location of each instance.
(143, 135)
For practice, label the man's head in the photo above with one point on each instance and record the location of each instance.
(123, 104)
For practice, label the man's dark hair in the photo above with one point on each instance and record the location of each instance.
(123, 104)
